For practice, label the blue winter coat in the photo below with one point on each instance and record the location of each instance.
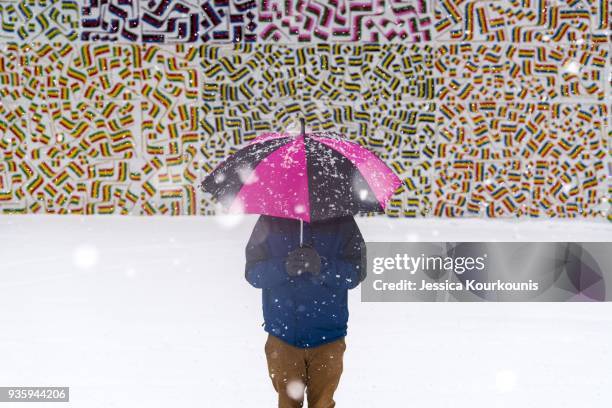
(306, 311)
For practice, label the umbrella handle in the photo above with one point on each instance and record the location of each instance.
(301, 232)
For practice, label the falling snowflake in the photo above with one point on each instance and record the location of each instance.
(295, 389)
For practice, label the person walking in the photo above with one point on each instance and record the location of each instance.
(304, 300)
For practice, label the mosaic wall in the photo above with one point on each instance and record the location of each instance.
(484, 108)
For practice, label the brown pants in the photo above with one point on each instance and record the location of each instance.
(293, 369)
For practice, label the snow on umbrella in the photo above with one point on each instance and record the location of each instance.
(309, 177)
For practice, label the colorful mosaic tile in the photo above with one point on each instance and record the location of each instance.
(368, 20)
(324, 72)
(295, 21)
(480, 187)
(484, 108)
(168, 21)
(511, 72)
(39, 20)
(522, 21)
(71, 158)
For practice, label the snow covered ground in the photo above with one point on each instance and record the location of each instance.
(154, 312)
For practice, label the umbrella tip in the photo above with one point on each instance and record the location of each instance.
(302, 127)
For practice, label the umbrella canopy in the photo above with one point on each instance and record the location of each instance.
(310, 177)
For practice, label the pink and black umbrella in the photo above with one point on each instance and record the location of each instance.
(309, 177)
